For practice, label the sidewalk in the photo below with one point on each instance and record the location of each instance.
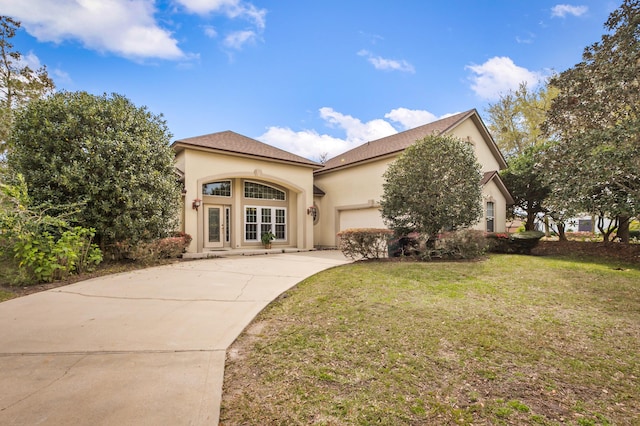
(138, 348)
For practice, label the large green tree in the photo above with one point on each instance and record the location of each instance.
(102, 151)
(515, 119)
(19, 84)
(595, 164)
(514, 122)
(433, 186)
(524, 179)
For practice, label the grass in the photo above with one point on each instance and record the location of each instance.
(14, 284)
(510, 340)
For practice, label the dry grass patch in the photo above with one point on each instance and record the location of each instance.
(510, 340)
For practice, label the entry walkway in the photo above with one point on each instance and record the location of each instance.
(138, 348)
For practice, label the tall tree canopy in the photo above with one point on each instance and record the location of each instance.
(103, 151)
(595, 164)
(433, 186)
(19, 84)
(514, 121)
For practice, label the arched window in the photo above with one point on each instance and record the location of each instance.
(262, 192)
(219, 189)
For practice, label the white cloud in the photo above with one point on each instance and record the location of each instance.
(30, 60)
(499, 75)
(562, 10)
(61, 76)
(239, 38)
(307, 143)
(528, 39)
(381, 63)
(230, 8)
(311, 144)
(410, 118)
(124, 27)
(357, 131)
(210, 32)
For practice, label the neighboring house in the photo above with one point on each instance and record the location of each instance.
(235, 187)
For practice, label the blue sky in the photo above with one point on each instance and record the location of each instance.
(311, 77)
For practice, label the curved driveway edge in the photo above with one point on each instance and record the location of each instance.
(144, 347)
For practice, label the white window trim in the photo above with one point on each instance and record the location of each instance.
(263, 184)
(259, 222)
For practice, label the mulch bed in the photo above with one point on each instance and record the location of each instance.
(628, 253)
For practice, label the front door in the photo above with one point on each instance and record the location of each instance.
(214, 222)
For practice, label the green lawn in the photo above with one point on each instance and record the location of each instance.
(509, 340)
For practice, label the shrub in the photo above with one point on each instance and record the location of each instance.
(368, 243)
(151, 251)
(44, 246)
(520, 242)
(499, 242)
(46, 258)
(405, 245)
(463, 244)
(526, 241)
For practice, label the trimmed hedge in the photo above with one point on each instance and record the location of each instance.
(518, 243)
(367, 243)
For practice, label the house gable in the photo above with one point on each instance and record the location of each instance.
(393, 145)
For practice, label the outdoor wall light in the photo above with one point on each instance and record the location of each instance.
(196, 203)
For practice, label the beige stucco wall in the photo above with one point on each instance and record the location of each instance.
(468, 131)
(351, 189)
(491, 192)
(204, 166)
(358, 189)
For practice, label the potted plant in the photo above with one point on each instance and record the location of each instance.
(267, 237)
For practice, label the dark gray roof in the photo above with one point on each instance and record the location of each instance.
(400, 141)
(234, 143)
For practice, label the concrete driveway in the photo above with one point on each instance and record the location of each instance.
(138, 348)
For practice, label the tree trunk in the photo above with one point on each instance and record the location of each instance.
(606, 233)
(623, 229)
(547, 228)
(529, 225)
(561, 235)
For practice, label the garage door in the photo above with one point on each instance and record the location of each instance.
(364, 218)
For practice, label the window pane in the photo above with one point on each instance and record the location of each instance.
(251, 232)
(214, 225)
(264, 192)
(219, 189)
(266, 215)
(252, 215)
(280, 232)
(490, 216)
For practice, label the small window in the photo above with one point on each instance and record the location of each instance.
(490, 216)
(263, 192)
(218, 189)
(251, 224)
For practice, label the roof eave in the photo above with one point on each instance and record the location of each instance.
(357, 163)
(180, 146)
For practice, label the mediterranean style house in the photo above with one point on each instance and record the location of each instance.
(237, 188)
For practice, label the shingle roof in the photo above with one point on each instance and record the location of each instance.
(400, 141)
(234, 143)
(494, 176)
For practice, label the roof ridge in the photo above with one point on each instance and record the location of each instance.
(236, 143)
(394, 143)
